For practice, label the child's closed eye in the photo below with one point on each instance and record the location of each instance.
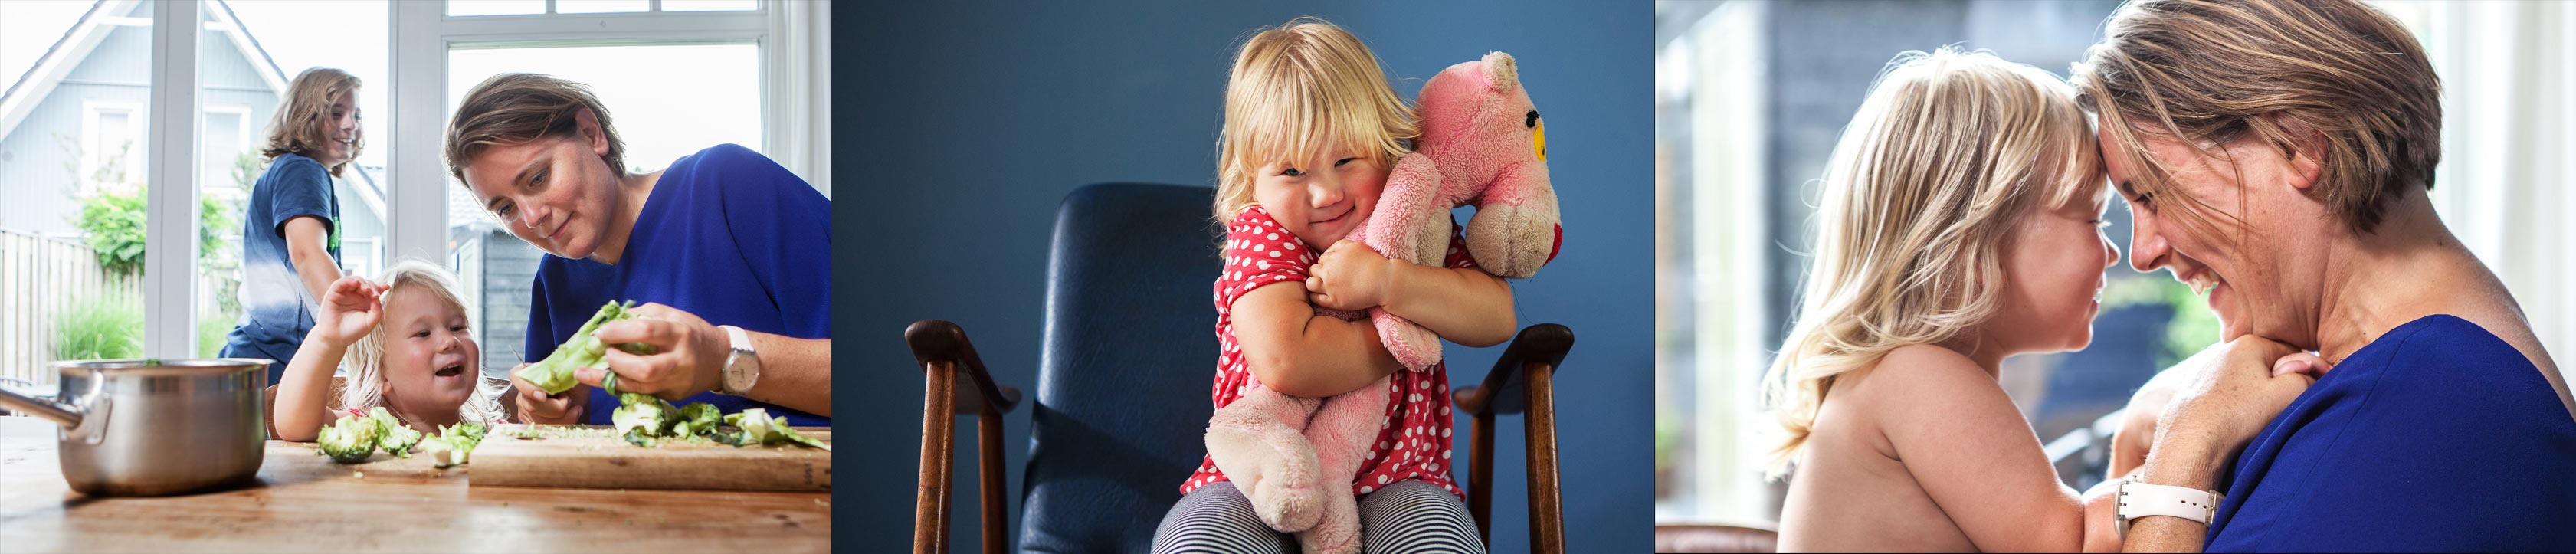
(1344, 161)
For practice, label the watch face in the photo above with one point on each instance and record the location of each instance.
(737, 373)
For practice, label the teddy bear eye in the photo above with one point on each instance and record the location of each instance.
(1533, 120)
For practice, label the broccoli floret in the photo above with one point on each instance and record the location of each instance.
(554, 374)
(651, 416)
(349, 440)
(396, 438)
(453, 443)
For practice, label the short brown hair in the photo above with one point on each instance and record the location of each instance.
(511, 109)
(2334, 79)
(301, 126)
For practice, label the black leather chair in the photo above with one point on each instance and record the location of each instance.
(1122, 385)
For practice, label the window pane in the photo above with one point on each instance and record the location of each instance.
(709, 5)
(495, 7)
(72, 225)
(714, 99)
(250, 56)
(600, 6)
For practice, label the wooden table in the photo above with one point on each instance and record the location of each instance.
(304, 503)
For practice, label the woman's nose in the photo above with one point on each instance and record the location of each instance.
(2146, 246)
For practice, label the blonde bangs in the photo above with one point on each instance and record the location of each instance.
(1301, 92)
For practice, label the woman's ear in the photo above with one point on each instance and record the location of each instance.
(589, 124)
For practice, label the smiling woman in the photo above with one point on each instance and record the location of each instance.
(709, 244)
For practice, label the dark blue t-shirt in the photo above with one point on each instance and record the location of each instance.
(727, 235)
(276, 310)
(2438, 437)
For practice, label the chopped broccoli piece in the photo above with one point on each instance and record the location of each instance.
(397, 438)
(643, 413)
(444, 452)
(758, 427)
(350, 440)
(554, 374)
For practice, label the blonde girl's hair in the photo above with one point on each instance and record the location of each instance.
(365, 359)
(1947, 153)
(2337, 80)
(1299, 91)
(511, 109)
(303, 125)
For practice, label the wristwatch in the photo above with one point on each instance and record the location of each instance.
(2137, 500)
(742, 367)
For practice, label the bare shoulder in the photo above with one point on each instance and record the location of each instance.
(1918, 380)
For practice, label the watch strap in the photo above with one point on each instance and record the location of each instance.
(2137, 500)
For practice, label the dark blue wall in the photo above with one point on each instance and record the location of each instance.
(962, 124)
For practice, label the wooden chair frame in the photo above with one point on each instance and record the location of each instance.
(1520, 383)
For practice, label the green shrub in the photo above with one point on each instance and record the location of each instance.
(98, 327)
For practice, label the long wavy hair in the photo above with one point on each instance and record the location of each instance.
(1949, 150)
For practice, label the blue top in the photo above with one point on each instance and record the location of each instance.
(276, 310)
(2438, 437)
(727, 235)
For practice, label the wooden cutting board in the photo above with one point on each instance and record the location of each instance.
(592, 456)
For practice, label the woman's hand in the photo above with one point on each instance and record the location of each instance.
(2236, 390)
(537, 407)
(688, 354)
(350, 309)
(1349, 276)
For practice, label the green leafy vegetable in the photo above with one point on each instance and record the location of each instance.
(396, 438)
(454, 443)
(351, 439)
(554, 374)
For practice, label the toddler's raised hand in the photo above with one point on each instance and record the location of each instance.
(350, 309)
(1349, 276)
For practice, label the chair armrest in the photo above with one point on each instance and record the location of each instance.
(1504, 390)
(935, 340)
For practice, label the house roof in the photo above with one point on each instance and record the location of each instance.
(93, 27)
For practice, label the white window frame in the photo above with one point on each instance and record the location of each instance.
(242, 137)
(91, 154)
(794, 51)
(171, 167)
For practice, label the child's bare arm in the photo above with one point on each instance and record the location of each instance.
(349, 309)
(1974, 454)
(1297, 353)
(1464, 305)
(302, 394)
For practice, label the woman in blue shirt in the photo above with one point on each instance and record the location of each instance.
(290, 228)
(2278, 154)
(729, 253)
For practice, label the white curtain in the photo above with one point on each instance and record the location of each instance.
(2508, 74)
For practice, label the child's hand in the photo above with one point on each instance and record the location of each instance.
(536, 407)
(1349, 276)
(350, 309)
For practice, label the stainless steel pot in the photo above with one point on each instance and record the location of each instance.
(152, 427)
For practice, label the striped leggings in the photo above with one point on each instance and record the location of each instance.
(1409, 516)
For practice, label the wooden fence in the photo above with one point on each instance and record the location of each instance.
(39, 278)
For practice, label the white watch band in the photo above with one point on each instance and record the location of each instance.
(2137, 500)
(740, 360)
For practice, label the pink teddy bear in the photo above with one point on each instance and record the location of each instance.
(1481, 143)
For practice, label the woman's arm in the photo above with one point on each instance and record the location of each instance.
(1298, 353)
(691, 354)
(1464, 305)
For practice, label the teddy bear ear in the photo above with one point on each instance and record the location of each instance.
(1501, 73)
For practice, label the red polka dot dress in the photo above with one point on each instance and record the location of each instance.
(1415, 442)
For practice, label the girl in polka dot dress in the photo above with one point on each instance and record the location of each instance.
(1310, 133)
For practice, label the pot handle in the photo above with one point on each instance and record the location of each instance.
(93, 426)
(63, 415)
